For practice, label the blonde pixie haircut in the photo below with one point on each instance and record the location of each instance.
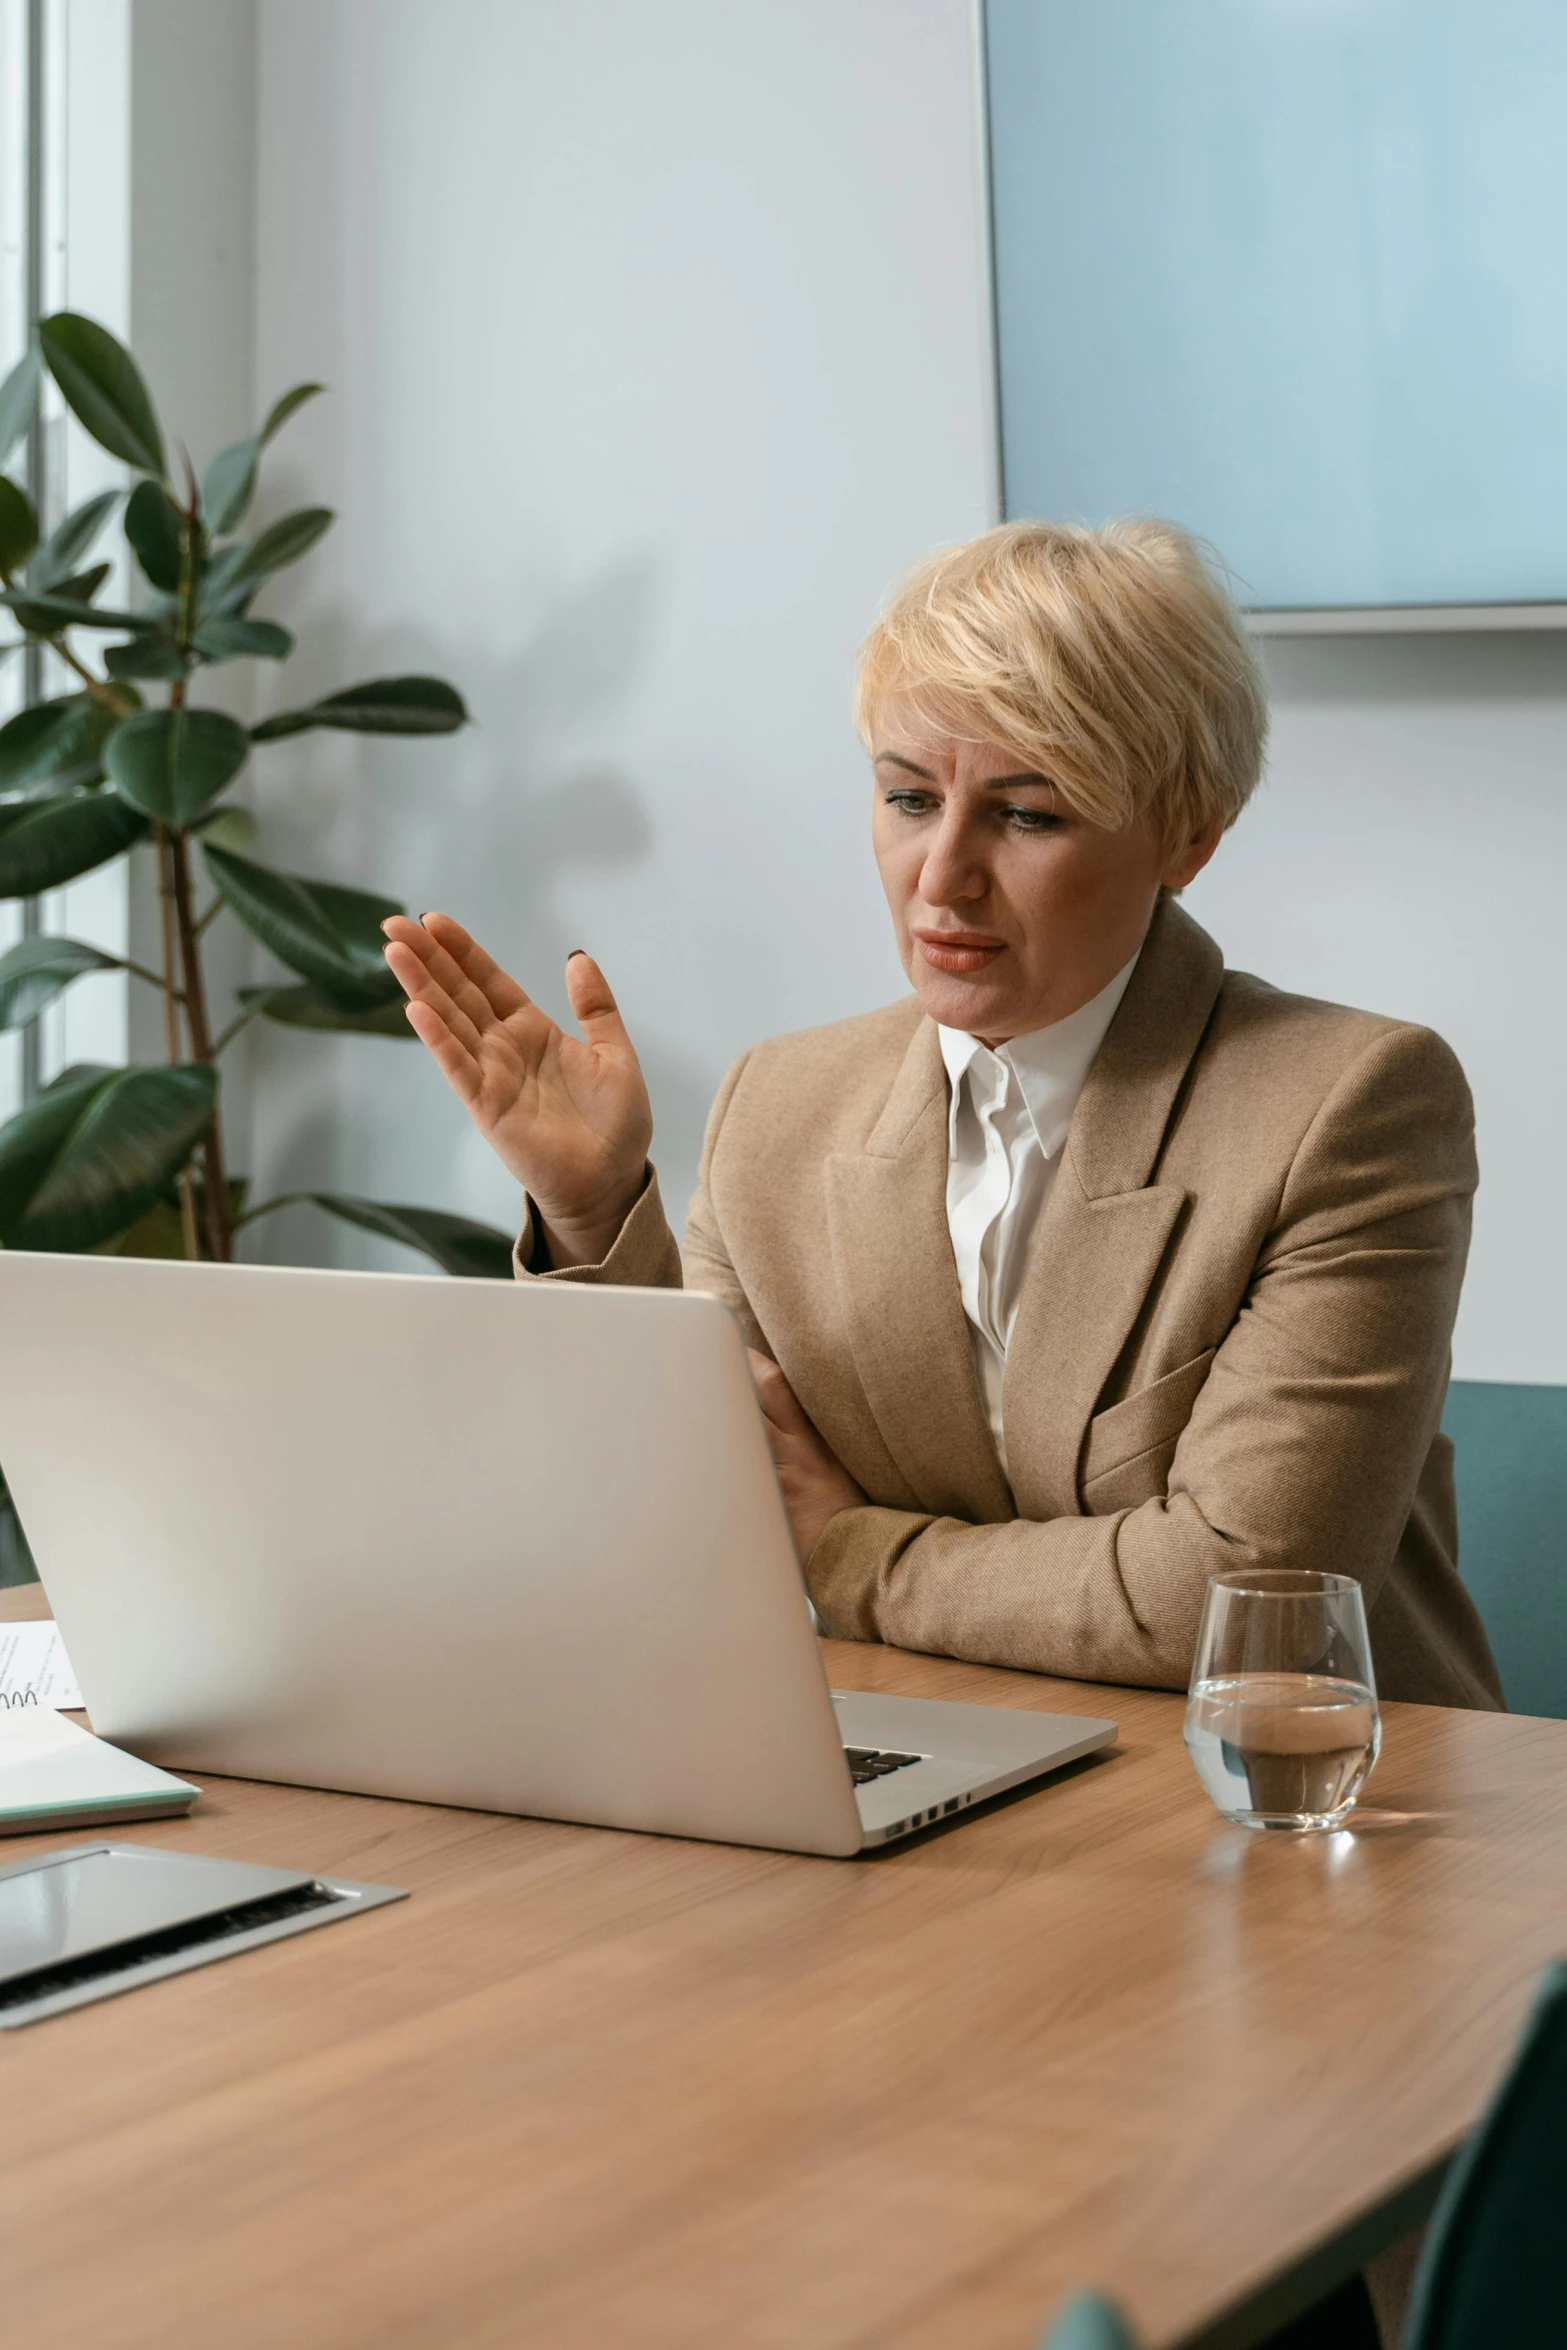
(1110, 661)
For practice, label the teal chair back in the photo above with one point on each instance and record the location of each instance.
(1492, 2275)
(1511, 1470)
(1089, 2323)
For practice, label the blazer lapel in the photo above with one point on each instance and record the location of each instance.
(892, 1256)
(1105, 1227)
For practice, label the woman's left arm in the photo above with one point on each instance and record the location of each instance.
(1304, 1446)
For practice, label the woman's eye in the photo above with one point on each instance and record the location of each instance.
(910, 803)
(1032, 819)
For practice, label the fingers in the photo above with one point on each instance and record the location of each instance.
(598, 1014)
(779, 1403)
(469, 977)
(423, 948)
(456, 1062)
(498, 987)
(414, 977)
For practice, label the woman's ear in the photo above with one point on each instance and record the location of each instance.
(1186, 863)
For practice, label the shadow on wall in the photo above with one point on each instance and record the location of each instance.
(487, 826)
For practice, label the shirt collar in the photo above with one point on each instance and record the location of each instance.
(1051, 1064)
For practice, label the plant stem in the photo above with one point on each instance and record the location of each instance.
(220, 1236)
(239, 1021)
(112, 697)
(153, 978)
(173, 993)
(285, 1199)
(173, 1000)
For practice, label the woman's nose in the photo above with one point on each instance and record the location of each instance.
(953, 873)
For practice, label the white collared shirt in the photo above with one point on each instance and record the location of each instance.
(1008, 1118)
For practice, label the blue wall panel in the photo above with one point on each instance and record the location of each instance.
(1293, 272)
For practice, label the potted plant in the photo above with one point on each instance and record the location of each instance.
(133, 1159)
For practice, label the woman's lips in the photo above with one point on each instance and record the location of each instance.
(959, 951)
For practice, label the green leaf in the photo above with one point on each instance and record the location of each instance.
(158, 1233)
(306, 1007)
(64, 548)
(330, 936)
(18, 401)
(224, 638)
(46, 842)
(232, 828)
(387, 705)
(56, 743)
(161, 1231)
(18, 527)
(230, 482)
(91, 1154)
(102, 386)
(173, 763)
(51, 613)
(282, 542)
(146, 656)
(458, 1245)
(38, 970)
(82, 586)
(288, 404)
(156, 529)
(222, 589)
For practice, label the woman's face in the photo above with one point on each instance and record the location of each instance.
(1011, 911)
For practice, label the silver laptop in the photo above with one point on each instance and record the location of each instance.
(514, 1547)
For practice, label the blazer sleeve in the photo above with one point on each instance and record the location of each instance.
(1304, 1445)
(645, 1254)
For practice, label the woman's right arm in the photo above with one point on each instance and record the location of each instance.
(569, 1116)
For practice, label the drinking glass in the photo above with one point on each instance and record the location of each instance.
(1282, 1723)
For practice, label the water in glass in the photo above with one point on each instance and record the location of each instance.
(1282, 1724)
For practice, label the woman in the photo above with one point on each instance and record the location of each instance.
(1090, 1268)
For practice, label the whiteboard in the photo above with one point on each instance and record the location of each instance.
(1294, 273)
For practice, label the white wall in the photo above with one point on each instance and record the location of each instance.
(653, 334)
(653, 328)
(1408, 851)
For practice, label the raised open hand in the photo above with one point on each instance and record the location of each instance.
(569, 1116)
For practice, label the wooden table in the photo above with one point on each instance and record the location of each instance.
(589, 2090)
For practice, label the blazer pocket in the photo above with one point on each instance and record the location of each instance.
(1129, 1448)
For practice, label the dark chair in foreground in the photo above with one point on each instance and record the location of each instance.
(1493, 2275)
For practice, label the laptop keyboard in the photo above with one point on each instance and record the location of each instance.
(875, 1762)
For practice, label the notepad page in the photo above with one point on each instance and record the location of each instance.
(47, 1764)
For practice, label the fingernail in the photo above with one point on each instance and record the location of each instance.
(577, 951)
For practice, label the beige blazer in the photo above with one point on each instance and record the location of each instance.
(1231, 1348)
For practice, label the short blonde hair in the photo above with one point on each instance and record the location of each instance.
(1111, 661)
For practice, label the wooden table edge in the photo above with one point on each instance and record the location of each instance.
(1293, 2290)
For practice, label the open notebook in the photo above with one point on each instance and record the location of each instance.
(53, 1775)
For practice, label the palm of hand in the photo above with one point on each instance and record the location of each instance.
(569, 1117)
